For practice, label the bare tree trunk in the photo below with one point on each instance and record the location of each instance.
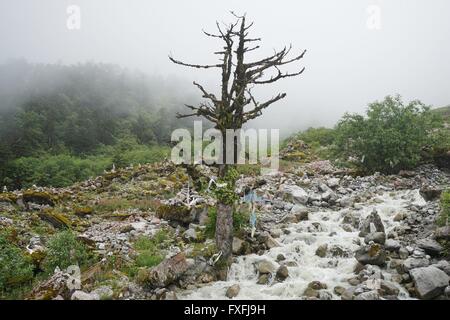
(224, 236)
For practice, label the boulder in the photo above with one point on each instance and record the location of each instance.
(322, 250)
(429, 282)
(372, 223)
(265, 267)
(264, 278)
(377, 237)
(431, 247)
(271, 242)
(190, 235)
(392, 245)
(282, 273)
(295, 194)
(233, 291)
(413, 263)
(165, 273)
(430, 193)
(371, 254)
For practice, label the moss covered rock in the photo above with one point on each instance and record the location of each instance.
(39, 197)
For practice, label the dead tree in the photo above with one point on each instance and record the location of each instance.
(236, 105)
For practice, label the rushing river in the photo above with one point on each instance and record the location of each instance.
(300, 245)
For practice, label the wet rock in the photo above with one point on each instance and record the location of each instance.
(429, 282)
(317, 285)
(371, 224)
(310, 292)
(280, 257)
(322, 250)
(431, 247)
(271, 242)
(377, 237)
(282, 273)
(348, 294)
(338, 290)
(264, 278)
(233, 291)
(403, 253)
(265, 267)
(371, 254)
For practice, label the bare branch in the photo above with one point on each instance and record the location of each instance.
(195, 65)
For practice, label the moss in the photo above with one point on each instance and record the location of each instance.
(444, 217)
(39, 197)
(56, 219)
(8, 197)
(179, 213)
(84, 211)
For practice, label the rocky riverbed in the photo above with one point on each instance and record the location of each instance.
(322, 233)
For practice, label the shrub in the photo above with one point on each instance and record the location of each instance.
(64, 250)
(390, 138)
(15, 267)
(444, 217)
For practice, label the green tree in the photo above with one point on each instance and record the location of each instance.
(390, 138)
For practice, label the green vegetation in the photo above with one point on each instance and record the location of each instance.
(64, 250)
(16, 268)
(391, 138)
(444, 217)
(61, 124)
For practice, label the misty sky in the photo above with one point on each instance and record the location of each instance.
(347, 65)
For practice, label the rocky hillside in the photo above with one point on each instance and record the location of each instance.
(147, 233)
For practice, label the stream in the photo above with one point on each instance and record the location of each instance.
(299, 243)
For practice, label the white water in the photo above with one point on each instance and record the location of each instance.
(300, 246)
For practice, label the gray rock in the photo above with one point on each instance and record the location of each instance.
(322, 250)
(429, 282)
(233, 291)
(338, 290)
(413, 263)
(282, 273)
(377, 237)
(81, 295)
(444, 266)
(265, 267)
(371, 224)
(295, 194)
(238, 246)
(264, 278)
(369, 295)
(190, 235)
(430, 193)
(388, 288)
(431, 247)
(104, 292)
(348, 294)
(372, 254)
(392, 245)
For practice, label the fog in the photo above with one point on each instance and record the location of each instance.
(348, 64)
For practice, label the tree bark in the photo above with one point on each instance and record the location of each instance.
(224, 235)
